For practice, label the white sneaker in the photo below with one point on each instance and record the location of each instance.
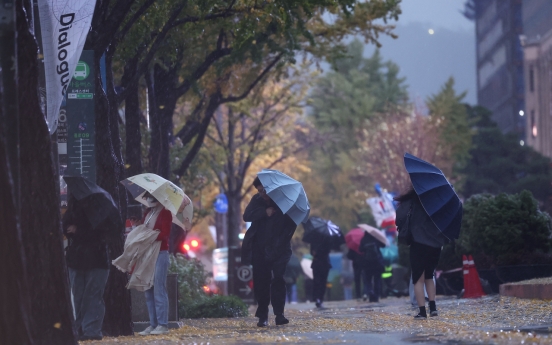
(147, 331)
(160, 330)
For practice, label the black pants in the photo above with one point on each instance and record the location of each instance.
(373, 289)
(358, 274)
(320, 278)
(269, 286)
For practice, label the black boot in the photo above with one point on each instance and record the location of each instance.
(263, 322)
(433, 309)
(281, 320)
(422, 314)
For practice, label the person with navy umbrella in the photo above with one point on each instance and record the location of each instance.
(431, 213)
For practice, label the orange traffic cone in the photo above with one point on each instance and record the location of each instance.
(472, 284)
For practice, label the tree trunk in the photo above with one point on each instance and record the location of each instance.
(109, 171)
(133, 135)
(164, 86)
(15, 313)
(52, 314)
(234, 225)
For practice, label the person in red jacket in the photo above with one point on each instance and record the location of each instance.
(160, 219)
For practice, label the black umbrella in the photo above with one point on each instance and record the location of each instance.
(319, 230)
(98, 204)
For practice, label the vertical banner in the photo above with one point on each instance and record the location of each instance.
(80, 119)
(64, 27)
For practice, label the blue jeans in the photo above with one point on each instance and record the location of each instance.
(157, 298)
(88, 288)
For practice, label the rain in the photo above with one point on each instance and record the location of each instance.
(245, 172)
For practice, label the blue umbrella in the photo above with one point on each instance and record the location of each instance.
(287, 193)
(436, 195)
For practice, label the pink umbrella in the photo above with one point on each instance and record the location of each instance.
(378, 235)
(353, 238)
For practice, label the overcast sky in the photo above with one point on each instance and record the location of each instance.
(428, 58)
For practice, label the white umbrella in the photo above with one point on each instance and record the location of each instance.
(378, 234)
(306, 266)
(167, 193)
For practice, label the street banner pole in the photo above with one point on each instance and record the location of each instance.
(64, 27)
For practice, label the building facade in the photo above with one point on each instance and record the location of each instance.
(500, 70)
(537, 44)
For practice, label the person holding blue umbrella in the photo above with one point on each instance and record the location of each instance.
(274, 213)
(430, 213)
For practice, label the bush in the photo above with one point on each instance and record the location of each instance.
(192, 300)
(217, 307)
(507, 229)
(191, 279)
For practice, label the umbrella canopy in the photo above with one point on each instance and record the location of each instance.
(319, 230)
(378, 234)
(287, 193)
(306, 266)
(436, 195)
(99, 205)
(353, 238)
(167, 193)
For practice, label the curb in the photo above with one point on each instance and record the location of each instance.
(528, 291)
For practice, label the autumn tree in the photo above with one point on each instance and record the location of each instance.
(351, 98)
(381, 151)
(262, 131)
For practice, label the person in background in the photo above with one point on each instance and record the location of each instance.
(157, 300)
(88, 262)
(293, 270)
(358, 271)
(425, 249)
(346, 280)
(320, 268)
(267, 246)
(373, 265)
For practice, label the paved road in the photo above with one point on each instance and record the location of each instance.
(488, 320)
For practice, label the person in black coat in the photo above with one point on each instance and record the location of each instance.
(88, 263)
(267, 246)
(373, 265)
(320, 268)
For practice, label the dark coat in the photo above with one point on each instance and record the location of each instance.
(367, 240)
(421, 226)
(356, 258)
(87, 247)
(268, 238)
(320, 256)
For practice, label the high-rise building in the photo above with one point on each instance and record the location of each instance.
(537, 43)
(500, 80)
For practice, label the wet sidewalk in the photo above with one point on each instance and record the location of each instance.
(487, 320)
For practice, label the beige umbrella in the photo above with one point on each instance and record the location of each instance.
(167, 193)
(378, 234)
